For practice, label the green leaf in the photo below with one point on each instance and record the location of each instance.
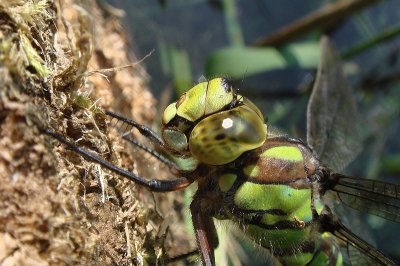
(235, 61)
(176, 62)
(391, 163)
(181, 71)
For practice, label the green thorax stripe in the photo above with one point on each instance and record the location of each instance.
(289, 239)
(288, 153)
(260, 198)
(325, 251)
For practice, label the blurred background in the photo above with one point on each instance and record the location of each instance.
(276, 68)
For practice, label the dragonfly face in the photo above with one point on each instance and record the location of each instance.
(270, 185)
(213, 124)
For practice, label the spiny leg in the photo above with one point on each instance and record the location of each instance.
(154, 184)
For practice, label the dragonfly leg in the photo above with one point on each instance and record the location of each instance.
(206, 235)
(145, 131)
(154, 184)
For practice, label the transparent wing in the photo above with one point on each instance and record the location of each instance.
(357, 249)
(366, 195)
(332, 126)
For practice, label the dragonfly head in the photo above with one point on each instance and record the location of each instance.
(213, 124)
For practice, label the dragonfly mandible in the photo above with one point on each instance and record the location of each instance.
(272, 186)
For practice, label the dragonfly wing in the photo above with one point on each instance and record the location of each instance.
(370, 196)
(332, 126)
(358, 248)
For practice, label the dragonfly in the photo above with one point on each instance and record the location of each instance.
(274, 187)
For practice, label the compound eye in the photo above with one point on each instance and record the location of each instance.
(222, 137)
